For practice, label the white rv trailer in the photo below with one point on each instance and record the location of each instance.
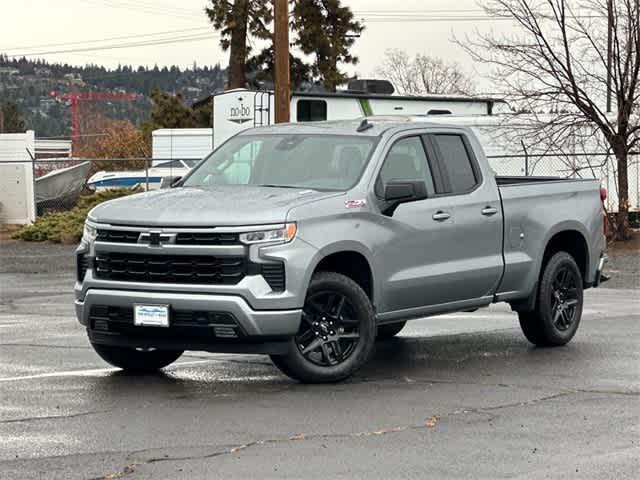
(240, 109)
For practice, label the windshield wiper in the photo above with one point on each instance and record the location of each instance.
(280, 186)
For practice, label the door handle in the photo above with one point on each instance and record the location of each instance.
(441, 216)
(488, 211)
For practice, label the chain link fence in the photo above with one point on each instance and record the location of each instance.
(598, 165)
(59, 182)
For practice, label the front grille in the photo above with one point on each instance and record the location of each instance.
(207, 239)
(274, 275)
(191, 325)
(82, 264)
(117, 236)
(130, 267)
(185, 238)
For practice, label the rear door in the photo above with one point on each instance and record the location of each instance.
(473, 262)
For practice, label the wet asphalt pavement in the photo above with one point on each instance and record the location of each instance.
(457, 396)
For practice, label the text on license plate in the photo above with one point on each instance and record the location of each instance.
(151, 315)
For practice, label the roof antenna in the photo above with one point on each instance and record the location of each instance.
(364, 126)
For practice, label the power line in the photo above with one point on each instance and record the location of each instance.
(123, 37)
(191, 38)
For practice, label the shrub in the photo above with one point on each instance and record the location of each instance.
(66, 227)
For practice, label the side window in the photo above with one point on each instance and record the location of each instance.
(311, 110)
(406, 161)
(456, 162)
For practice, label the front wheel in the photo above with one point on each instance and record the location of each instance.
(337, 332)
(134, 360)
(558, 310)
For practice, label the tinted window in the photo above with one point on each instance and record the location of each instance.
(456, 162)
(311, 110)
(406, 161)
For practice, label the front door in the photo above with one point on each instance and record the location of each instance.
(439, 251)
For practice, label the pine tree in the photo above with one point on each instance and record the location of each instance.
(326, 29)
(262, 66)
(10, 119)
(237, 21)
(169, 112)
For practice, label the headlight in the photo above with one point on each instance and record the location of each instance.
(89, 233)
(278, 235)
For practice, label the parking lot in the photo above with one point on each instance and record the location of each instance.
(456, 396)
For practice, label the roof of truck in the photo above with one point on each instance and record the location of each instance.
(374, 126)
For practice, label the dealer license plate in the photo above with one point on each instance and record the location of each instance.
(151, 315)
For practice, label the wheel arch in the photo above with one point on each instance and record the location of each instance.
(349, 259)
(568, 237)
(573, 242)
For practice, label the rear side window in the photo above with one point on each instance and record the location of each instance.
(456, 162)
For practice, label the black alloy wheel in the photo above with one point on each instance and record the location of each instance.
(330, 330)
(558, 307)
(337, 331)
(564, 299)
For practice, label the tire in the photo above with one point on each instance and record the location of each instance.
(133, 360)
(390, 330)
(337, 332)
(558, 309)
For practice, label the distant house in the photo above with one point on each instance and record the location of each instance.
(9, 71)
(74, 78)
(43, 71)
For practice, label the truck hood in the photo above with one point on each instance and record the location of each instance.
(205, 207)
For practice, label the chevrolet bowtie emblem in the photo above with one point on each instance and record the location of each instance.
(157, 239)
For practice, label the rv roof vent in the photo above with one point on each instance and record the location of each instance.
(379, 87)
(439, 112)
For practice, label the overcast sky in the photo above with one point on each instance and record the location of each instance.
(43, 25)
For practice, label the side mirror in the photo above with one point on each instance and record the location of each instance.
(401, 191)
(397, 192)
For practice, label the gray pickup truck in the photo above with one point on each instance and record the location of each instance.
(309, 241)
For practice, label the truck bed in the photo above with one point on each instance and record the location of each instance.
(534, 209)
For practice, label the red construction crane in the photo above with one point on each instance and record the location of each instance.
(75, 98)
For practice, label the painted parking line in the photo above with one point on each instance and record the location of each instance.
(90, 372)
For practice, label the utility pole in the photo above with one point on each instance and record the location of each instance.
(281, 54)
(609, 51)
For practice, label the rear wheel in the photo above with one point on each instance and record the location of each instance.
(390, 330)
(336, 335)
(135, 360)
(558, 311)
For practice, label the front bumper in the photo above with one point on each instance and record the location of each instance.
(265, 331)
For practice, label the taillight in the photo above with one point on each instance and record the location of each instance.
(605, 218)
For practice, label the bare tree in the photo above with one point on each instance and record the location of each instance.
(557, 62)
(423, 74)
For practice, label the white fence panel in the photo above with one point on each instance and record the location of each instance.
(17, 205)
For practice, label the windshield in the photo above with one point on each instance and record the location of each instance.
(320, 162)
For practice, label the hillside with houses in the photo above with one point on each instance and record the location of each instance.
(29, 85)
